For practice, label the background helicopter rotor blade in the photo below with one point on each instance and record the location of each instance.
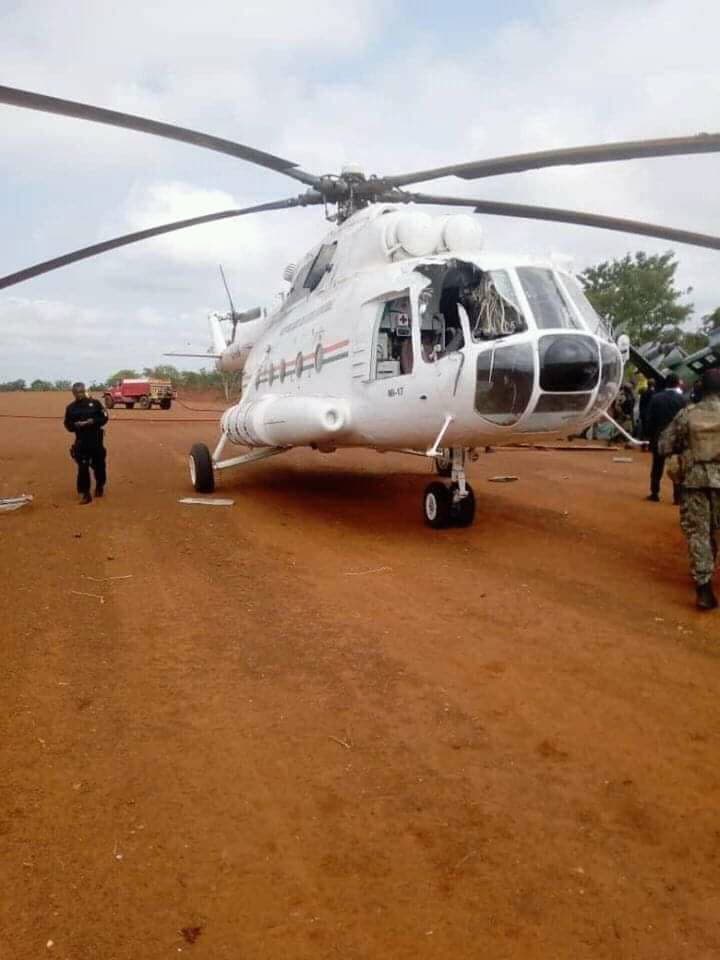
(529, 212)
(233, 315)
(85, 252)
(594, 153)
(82, 111)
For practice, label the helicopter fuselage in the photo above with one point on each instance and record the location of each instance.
(374, 346)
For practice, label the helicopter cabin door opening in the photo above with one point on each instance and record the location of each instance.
(394, 354)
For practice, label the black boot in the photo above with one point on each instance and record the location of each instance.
(85, 498)
(706, 599)
(99, 491)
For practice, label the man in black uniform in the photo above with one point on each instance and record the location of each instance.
(86, 418)
(663, 408)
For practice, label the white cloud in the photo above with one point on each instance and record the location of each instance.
(321, 84)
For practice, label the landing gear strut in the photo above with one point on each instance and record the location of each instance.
(450, 505)
(204, 465)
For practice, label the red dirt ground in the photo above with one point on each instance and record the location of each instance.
(309, 727)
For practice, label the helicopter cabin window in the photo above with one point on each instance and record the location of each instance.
(321, 265)
(548, 303)
(393, 339)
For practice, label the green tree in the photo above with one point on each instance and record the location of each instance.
(62, 385)
(637, 294)
(41, 385)
(10, 386)
(123, 375)
(711, 321)
(164, 371)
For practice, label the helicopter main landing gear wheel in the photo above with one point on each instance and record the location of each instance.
(450, 505)
(200, 462)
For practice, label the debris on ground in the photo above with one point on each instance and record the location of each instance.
(217, 502)
(14, 503)
(622, 459)
(127, 576)
(93, 596)
(501, 479)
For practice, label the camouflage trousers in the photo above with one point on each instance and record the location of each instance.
(700, 522)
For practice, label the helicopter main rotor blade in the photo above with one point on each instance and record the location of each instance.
(92, 251)
(595, 153)
(82, 111)
(528, 212)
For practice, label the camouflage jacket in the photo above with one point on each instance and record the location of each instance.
(676, 439)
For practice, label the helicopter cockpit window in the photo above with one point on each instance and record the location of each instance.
(393, 340)
(492, 307)
(462, 299)
(320, 266)
(547, 301)
(584, 307)
(504, 383)
(610, 376)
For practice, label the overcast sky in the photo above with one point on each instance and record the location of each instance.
(391, 84)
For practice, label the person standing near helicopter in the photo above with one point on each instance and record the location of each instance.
(694, 435)
(86, 418)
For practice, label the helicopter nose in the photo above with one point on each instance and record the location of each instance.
(568, 363)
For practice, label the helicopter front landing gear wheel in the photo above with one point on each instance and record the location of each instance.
(453, 505)
(200, 462)
(437, 502)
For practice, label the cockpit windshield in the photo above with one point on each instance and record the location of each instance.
(487, 298)
(548, 302)
(492, 307)
(584, 307)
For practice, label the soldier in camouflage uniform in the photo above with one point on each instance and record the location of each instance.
(694, 434)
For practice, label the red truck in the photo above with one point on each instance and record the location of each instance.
(144, 393)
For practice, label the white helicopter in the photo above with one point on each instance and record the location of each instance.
(399, 332)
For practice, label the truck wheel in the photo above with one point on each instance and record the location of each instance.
(109, 402)
(145, 403)
(165, 404)
(201, 468)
